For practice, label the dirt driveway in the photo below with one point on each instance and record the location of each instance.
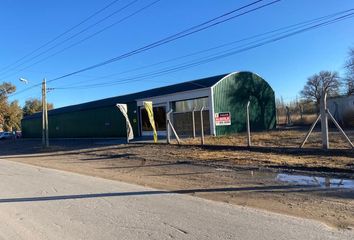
(237, 175)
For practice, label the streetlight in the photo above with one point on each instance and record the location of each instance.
(45, 136)
(25, 81)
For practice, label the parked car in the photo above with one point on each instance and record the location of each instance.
(18, 134)
(5, 135)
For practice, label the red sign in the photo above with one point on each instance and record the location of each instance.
(222, 119)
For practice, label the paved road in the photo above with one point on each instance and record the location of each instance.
(39, 203)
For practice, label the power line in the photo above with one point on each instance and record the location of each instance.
(214, 58)
(184, 33)
(170, 38)
(283, 29)
(68, 39)
(203, 61)
(282, 36)
(92, 35)
(63, 33)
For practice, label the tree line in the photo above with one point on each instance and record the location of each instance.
(11, 113)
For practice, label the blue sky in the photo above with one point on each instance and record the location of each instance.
(26, 25)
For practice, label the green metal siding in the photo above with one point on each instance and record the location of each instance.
(89, 119)
(232, 94)
(31, 128)
(97, 122)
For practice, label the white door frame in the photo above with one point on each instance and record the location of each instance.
(151, 133)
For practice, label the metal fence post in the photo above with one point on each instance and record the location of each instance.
(324, 120)
(201, 126)
(339, 128)
(310, 131)
(168, 116)
(288, 116)
(248, 124)
(170, 127)
(324, 114)
(193, 121)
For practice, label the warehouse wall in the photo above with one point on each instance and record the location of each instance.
(90, 123)
(231, 95)
(31, 128)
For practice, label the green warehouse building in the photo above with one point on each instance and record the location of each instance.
(224, 98)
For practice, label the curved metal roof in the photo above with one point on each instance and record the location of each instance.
(175, 88)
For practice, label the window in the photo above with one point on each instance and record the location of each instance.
(159, 117)
(188, 105)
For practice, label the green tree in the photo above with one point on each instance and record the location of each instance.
(324, 80)
(33, 106)
(6, 88)
(13, 116)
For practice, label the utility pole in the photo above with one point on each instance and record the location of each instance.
(45, 136)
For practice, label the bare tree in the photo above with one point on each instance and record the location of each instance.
(349, 66)
(324, 80)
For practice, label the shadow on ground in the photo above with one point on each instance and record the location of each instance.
(148, 193)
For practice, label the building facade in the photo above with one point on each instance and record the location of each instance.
(342, 109)
(223, 99)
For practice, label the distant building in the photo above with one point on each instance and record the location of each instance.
(342, 109)
(223, 97)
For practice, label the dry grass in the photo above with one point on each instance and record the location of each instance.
(296, 119)
(278, 138)
(279, 149)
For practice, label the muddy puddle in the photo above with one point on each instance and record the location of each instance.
(289, 178)
(323, 182)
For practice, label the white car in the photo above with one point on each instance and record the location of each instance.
(5, 135)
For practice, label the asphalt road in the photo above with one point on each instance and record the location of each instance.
(40, 203)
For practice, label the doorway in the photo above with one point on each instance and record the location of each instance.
(160, 121)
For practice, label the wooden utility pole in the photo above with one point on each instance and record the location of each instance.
(45, 135)
(43, 113)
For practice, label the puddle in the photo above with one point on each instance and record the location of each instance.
(316, 181)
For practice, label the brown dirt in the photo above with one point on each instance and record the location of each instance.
(236, 175)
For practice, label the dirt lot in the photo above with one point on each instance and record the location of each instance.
(233, 174)
(280, 149)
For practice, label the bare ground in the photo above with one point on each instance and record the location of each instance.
(280, 149)
(233, 173)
